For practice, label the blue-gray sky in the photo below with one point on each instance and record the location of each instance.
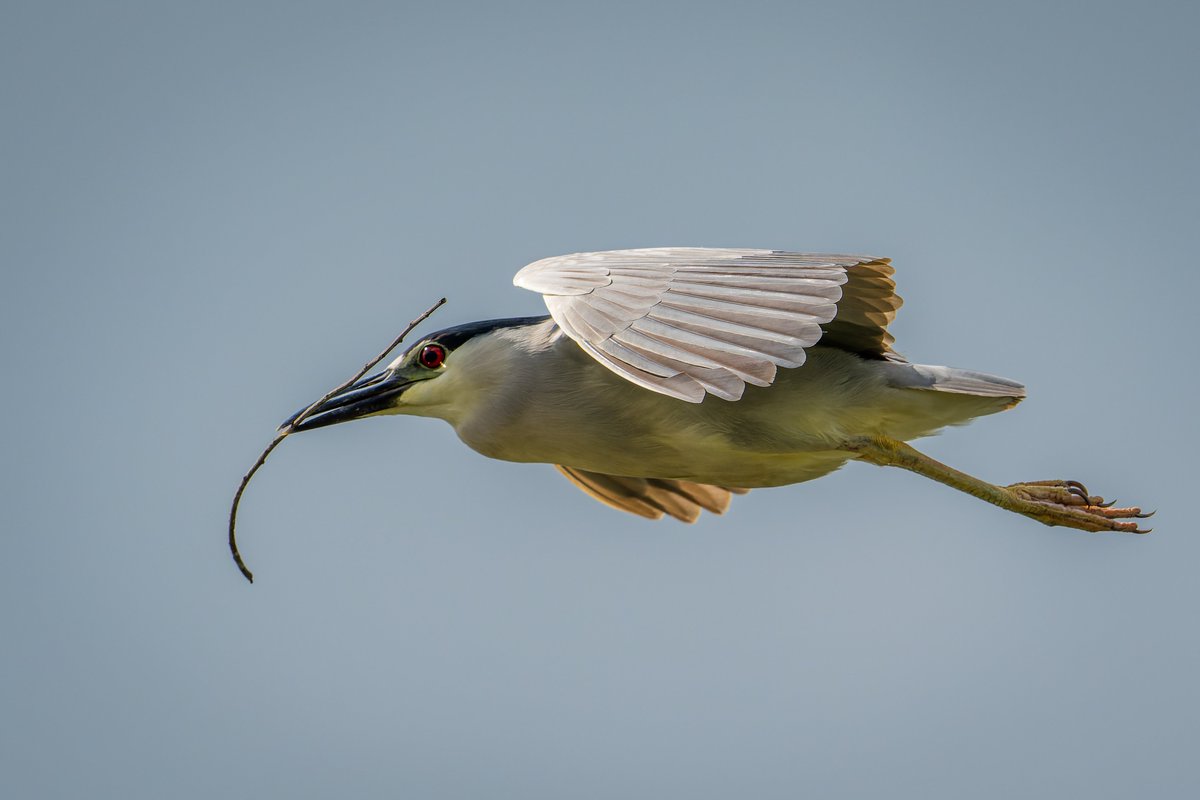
(213, 212)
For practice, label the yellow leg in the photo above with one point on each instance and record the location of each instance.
(1054, 502)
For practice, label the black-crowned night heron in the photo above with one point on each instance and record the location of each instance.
(613, 387)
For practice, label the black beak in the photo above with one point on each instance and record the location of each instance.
(369, 396)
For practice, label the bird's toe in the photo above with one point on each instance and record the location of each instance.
(1068, 503)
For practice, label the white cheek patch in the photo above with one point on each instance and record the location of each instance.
(396, 364)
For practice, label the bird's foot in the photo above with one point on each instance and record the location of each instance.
(1068, 503)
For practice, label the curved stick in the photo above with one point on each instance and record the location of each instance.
(288, 429)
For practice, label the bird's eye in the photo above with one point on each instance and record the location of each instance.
(432, 356)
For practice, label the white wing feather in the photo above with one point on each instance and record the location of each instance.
(687, 322)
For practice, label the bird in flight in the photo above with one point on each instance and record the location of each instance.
(665, 380)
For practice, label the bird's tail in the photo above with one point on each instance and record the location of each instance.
(946, 396)
(956, 381)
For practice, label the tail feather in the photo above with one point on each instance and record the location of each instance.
(955, 381)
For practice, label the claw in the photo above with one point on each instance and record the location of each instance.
(1076, 485)
(1146, 514)
(1139, 530)
(1109, 504)
(1079, 492)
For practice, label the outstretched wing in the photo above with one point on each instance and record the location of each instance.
(652, 497)
(689, 321)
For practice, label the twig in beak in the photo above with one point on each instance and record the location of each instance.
(285, 431)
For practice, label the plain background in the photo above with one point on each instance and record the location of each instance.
(213, 212)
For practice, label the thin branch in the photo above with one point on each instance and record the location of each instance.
(290, 428)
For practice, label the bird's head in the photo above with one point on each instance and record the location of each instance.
(438, 376)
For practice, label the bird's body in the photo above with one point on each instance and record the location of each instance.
(666, 379)
(536, 392)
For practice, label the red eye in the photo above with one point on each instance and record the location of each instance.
(432, 356)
